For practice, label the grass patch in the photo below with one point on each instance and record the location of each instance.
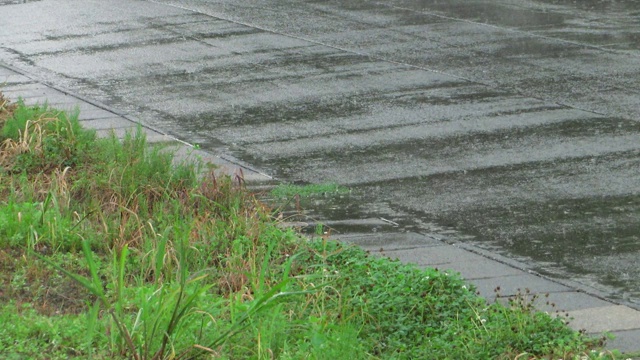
(289, 190)
(109, 249)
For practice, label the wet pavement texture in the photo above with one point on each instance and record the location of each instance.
(510, 125)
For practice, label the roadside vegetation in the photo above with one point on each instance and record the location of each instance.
(113, 249)
(291, 190)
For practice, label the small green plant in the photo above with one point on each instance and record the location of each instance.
(169, 322)
(407, 312)
(27, 334)
(287, 190)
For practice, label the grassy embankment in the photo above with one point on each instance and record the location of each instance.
(108, 249)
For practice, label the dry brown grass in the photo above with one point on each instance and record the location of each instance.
(6, 109)
(31, 140)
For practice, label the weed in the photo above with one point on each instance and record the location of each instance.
(6, 109)
(26, 334)
(287, 190)
(40, 139)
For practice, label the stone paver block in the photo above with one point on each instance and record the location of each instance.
(27, 94)
(361, 226)
(15, 92)
(492, 255)
(14, 79)
(34, 100)
(71, 104)
(607, 318)
(626, 341)
(434, 256)
(5, 72)
(509, 285)
(16, 88)
(185, 152)
(118, 132)
(54, 100)
(50, 97)
(483, 269)
(389, 241)
(44, 92)
(569, 301)
(93, 114)
(113, 122)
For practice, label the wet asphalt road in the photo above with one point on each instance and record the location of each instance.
(513, 124)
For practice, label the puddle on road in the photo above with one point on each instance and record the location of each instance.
(336, 213)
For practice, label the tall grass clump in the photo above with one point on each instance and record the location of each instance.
(154, 239)
(41, 139)
(110, 248)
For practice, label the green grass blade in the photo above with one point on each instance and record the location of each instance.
(87, 284)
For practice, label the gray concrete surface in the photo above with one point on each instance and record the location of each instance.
(508, 128)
